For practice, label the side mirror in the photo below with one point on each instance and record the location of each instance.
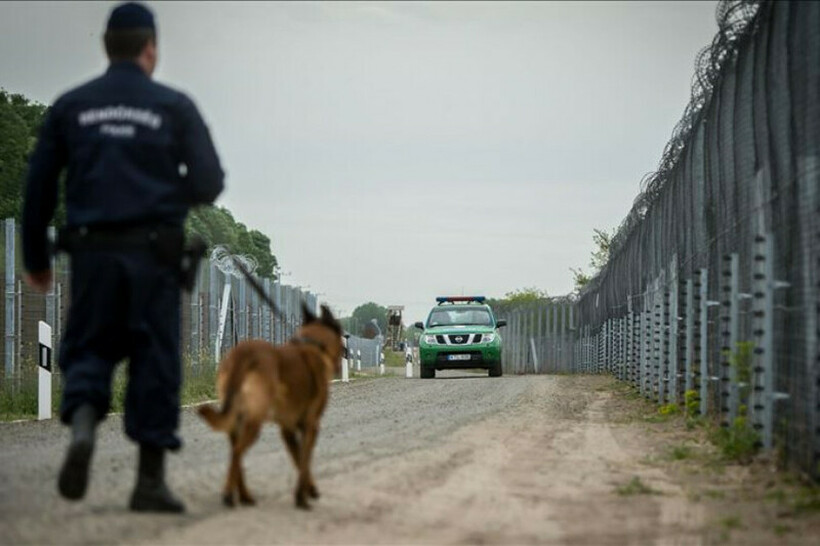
(500, 323)
(419, 325)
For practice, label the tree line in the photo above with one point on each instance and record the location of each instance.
(20, 120)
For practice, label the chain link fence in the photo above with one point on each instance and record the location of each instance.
(712, 287)
(219, 297)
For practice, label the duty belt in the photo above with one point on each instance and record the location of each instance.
(115, 238)
(166, 242)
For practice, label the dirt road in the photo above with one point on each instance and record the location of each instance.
(461, 459)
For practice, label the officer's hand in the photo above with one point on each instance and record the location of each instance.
(40, 280)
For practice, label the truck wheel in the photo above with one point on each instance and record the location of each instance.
(496, 370)
(428, 373)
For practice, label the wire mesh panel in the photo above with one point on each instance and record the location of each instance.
(734, 207)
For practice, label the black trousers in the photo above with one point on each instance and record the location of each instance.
(124, 305)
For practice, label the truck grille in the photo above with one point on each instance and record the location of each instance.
(458, 339)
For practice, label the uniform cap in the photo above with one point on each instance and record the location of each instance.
(130, 16)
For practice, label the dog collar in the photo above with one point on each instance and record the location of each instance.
(310, 341)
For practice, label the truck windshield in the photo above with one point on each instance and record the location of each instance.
(461, 317)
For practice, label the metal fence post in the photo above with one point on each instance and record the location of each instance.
(765, 371)
(10, 298)
(194, 346)
(213, 306)
(267, 331)
(704, 341)
(621, 348)
(646, 344)
(602, 348)
(729, 351)
(630, 341)
(242, 305)
(689, 381)
(519, 342)
(656, 391)
(51, 295)
(672, 390)
(277, 320)
(573, 335)
(540, 337)
(563, 364)
(650, 344)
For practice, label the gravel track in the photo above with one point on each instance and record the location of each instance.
(462, 458)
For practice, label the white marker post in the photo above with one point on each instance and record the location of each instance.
(345, 362)
(534, 355)
(358, 360)
(408, 360)
(44, 372)
(223, 319)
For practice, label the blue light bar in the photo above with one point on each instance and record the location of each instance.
(454, 299)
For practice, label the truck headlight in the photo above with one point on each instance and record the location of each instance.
(430, 340)
(487, 338)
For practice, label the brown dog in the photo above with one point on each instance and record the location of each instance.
(288, 384)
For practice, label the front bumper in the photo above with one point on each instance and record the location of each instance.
(440, 358)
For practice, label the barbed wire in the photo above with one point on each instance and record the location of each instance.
(224, 262)
(736, 19)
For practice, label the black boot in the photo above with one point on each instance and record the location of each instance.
(151, 494)
(73, 479)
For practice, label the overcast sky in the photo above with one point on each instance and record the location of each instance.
(398, 151)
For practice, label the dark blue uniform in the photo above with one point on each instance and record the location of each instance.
(137, 154)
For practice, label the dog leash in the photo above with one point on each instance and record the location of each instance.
(258, 288)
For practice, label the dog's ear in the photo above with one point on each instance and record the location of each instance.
(327, 315)
(329, 320)
(307, 314)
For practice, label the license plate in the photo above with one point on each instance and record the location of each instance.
(458, 357)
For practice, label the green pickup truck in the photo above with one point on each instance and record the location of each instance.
(461, 332)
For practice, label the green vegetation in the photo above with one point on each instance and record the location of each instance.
(20, 120)
(598, 257)
(664, 413)
(737, 442)
(394, 359)
(741, 360)
(216, 225)
(679, 453)
(714, 494)
(18, 398)
(731, 522)
(635, 487)
(797, 497)
(782, 530)
(692, 409)
(807, 500)
(519, 297)
(360, 322)
(669, 409)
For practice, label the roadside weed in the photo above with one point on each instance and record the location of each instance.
(679, 453)
(738, 442)
(731, 522)
(635, 487)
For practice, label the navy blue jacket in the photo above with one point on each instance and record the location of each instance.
(136, 152)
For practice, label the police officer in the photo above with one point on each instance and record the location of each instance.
(137, 156)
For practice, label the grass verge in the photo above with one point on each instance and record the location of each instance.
(18, 397)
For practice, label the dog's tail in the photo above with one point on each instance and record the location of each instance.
(217, 419)
(222, 419)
